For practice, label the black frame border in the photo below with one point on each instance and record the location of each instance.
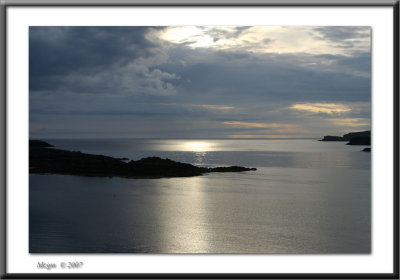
(4, 4)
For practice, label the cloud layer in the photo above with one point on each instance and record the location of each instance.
(199, 82)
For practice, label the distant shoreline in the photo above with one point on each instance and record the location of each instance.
(353, 138)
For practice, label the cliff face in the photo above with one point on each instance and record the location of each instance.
(55, 161)
(352, 135)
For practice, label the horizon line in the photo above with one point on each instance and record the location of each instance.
(169, 138)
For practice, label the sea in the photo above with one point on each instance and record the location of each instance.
(306, 197)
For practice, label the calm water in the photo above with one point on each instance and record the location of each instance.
(306, 197)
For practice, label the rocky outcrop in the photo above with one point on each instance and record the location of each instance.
(55, 161)
(231, 169)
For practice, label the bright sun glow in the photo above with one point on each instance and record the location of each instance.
(197, 146)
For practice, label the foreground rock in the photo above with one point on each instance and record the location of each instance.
(38, 144)
(354, 138)
(55, 161)
(366, 150)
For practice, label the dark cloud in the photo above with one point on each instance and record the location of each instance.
(339, 33)
(90, 59)
(269, 77)
(60, 50)
(267, 41)
(218, 33)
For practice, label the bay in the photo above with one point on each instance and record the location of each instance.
(306, 197)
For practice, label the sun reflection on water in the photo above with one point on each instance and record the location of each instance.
(184, 216)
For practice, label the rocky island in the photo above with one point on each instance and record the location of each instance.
(45, 159)
(353, 138)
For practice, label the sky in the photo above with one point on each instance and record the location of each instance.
(199, 82)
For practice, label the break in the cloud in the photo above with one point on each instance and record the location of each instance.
(273, 39)
(199, 81)
(218, 108)
(259, 125)
(327, 108)
(351, 122)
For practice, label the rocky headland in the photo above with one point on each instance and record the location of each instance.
(45, 159)
(353, 138)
